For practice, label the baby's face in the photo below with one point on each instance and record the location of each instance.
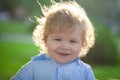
(64, 47)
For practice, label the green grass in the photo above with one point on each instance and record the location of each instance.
(14, 27)
(13, 56)
(107, 72)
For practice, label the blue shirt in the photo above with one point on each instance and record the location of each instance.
(42, 67)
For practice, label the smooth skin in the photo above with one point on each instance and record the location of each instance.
(64, 47)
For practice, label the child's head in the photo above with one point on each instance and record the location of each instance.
(65, 18)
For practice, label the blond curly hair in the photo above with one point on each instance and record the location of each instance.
(61, 16)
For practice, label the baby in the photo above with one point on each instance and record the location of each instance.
(65, 34)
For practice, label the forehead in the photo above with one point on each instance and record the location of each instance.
(70, 32)
(66, 29)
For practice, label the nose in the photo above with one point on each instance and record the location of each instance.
(65, 45)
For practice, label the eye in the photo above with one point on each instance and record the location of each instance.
(73, 41)
(57, 39)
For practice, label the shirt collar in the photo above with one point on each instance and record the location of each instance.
(44, 56)
(41, 56)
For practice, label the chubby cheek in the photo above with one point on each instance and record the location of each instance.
(50, 47)
(77, 49)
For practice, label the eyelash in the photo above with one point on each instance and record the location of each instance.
(57, 39)
(73, 41)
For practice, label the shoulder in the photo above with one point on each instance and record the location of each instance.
(83, 64)
(35, 61)
(87, 70)
(85, 67)
(39, 57)
(26, 72)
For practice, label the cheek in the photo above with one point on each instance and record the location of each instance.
(77, 48)
(50, 45)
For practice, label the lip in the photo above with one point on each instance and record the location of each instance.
(63, 54)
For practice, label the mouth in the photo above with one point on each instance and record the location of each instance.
(63, 54)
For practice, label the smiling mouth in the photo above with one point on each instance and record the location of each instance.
(63, 54)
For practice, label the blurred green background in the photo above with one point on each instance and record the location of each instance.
(16, 45)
